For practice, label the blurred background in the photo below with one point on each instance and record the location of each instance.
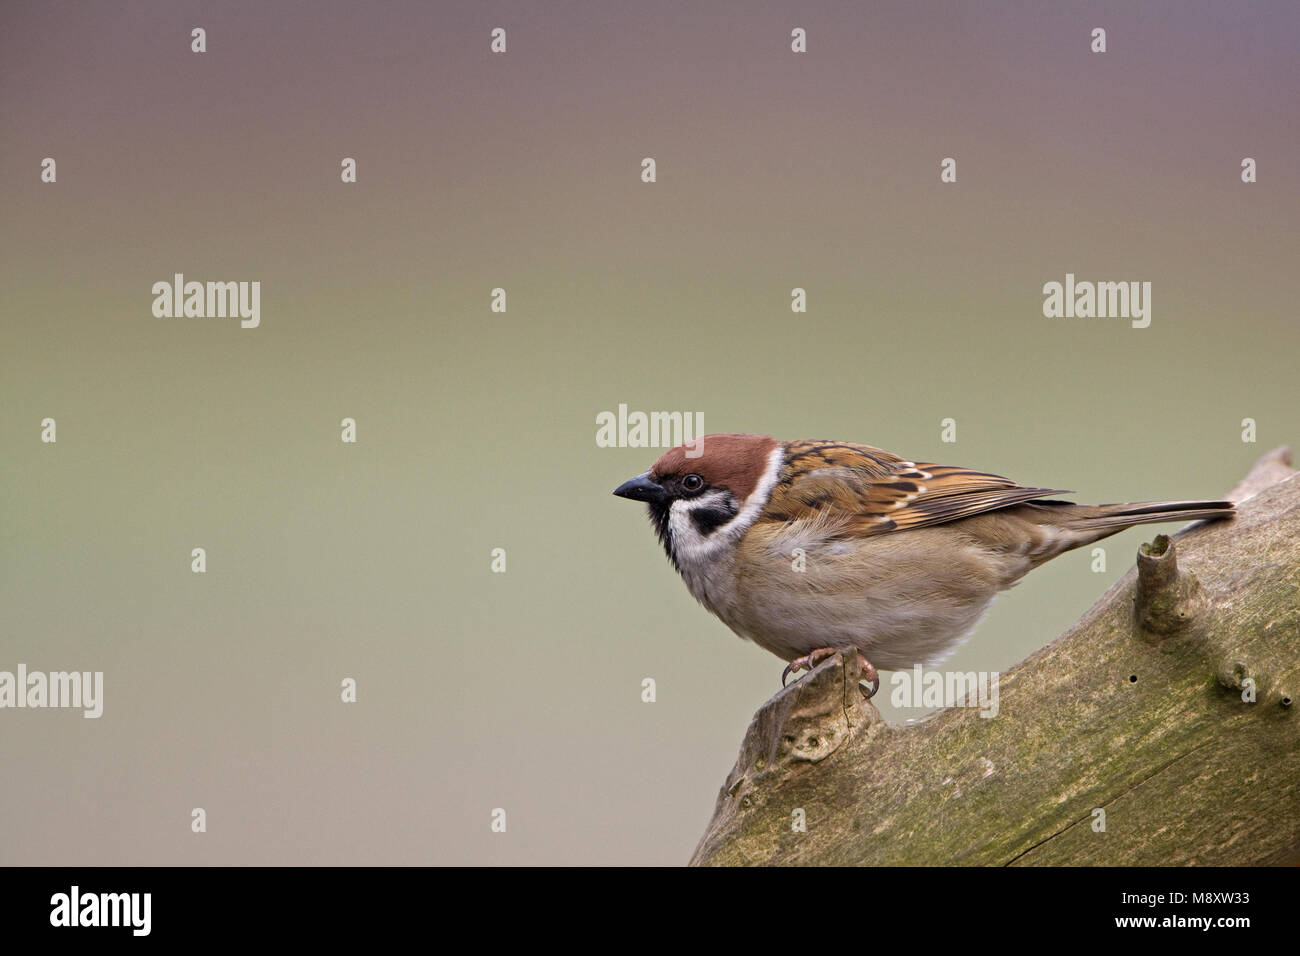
(476, 430)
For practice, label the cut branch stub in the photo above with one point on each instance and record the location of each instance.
(1168, 600)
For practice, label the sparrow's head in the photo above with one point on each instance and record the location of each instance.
(703, 495)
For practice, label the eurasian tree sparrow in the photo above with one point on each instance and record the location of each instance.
(808, 547)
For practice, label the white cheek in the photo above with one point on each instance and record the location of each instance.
(688, 543)
(692, 547)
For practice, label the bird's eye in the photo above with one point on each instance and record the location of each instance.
(692, 483)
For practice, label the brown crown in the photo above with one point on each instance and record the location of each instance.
(735, 462)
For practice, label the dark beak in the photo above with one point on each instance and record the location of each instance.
(641, 488)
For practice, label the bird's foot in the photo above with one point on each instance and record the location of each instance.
(806, 663)
(870, 675)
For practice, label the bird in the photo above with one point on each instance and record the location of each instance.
(811, 547)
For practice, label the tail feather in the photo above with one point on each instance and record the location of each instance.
(1153, 512)
(1119, 516)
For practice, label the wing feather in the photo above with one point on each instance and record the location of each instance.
(867, 491)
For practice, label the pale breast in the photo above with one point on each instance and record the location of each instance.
(901, 599)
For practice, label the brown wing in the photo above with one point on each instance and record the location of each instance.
(871, 491)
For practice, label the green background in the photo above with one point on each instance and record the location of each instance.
(477, 430)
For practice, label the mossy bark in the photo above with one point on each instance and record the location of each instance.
(1142, 710)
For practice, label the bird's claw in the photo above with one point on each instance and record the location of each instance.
(869, 673)
(875, 686)
(807, 662)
